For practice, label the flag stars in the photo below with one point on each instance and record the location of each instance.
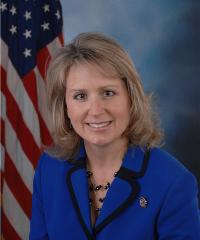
(27, 52)
(13, 29)
(13, 10)
(46, 8)
(45, 26)
(27, 15)
(58, 14)
(27, 34)
(3, 6)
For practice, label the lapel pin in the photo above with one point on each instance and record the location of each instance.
(143, 202)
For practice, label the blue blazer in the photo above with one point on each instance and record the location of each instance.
(152, 197)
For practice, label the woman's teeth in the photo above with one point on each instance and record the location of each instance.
(99, 125)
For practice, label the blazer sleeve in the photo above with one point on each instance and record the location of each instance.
(38, 229)
(179, 217)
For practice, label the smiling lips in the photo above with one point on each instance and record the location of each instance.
(99, 125)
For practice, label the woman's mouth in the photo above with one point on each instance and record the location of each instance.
(99, 125)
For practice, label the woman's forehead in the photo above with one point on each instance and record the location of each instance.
(82, 75)
(103, 68)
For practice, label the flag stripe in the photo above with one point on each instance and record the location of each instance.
(2, 127)
(13, 212)
(43, 58)
(17, 186)
(54, 46)
(22, 163)
(30, 85)
(3, 104)
(45, 135)
(3, 98)
(2, 161)
(42, 98)
(4, 54)
(60, 37)
(8, 230)
(24, 103)
(22, 131)
(44, 55)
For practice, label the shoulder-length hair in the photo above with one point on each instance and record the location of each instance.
(113, 60)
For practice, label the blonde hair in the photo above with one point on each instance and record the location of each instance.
(113, 60)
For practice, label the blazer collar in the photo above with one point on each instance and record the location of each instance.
(123, 191)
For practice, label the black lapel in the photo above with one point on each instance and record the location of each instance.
(126, 181)
(78, 188)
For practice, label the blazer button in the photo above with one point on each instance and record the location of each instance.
(143, 202)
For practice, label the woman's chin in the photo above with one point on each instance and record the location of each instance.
(98, 142)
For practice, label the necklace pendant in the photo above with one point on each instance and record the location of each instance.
(98, 187)
(107, 186)
(101, 200)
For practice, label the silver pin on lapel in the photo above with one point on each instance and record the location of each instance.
(143, 202)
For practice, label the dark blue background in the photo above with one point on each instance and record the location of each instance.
(163, 39)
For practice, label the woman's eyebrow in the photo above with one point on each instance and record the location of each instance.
(76, 90)
(109, 86)
(84, 89)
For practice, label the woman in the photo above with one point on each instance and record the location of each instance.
(105, 178)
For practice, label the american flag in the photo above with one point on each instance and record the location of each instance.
(31, 31)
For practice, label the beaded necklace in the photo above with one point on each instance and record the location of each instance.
(97, 193)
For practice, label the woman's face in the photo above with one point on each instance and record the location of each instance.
(98, 106)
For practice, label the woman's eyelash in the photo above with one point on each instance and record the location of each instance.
(80, 96)
(83, 96)
(109, 93)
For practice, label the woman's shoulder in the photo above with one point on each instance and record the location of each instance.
(173, 191)
(164, 159)
(47, 156)
(50, 161)
(167, 167)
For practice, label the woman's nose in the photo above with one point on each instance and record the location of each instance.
(96, 107)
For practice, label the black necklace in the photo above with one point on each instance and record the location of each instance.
(94, 188)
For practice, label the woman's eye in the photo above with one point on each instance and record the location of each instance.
(80, 96)
(109, 93)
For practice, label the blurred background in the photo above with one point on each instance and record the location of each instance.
(163, 40)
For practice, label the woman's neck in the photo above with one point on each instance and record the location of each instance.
(100, 158)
